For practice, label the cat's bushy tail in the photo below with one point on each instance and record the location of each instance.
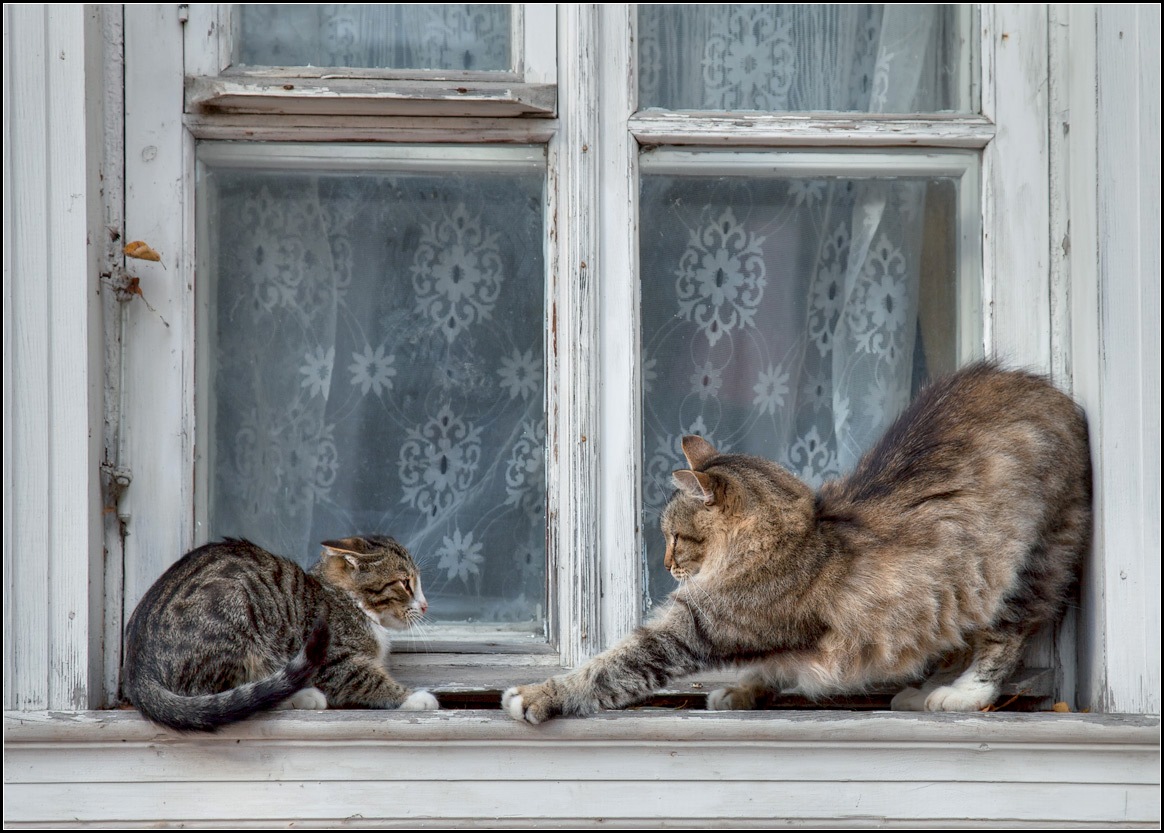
(208, 712)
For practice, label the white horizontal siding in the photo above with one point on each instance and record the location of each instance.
(637, 768)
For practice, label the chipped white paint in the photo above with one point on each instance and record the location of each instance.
(52, 358)
(433, 130)
(621, 426)
(1128, 212)
(356, 97)
(1016, 195)
(698, 768)
(1016, 208)
(108, 242)
(539, 36)
(572, 473)
(652, 127)
(158, 416)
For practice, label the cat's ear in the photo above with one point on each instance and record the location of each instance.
(697, 451)
(345, 550)
(695, 484)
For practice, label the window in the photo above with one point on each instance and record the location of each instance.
(472, 297)
(1068, 282)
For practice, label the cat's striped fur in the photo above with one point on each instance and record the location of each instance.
(957, 535)
(230, 630)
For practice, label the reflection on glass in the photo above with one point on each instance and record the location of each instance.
(805, 57)
(376, 365)
(787, 318)
(449, 36)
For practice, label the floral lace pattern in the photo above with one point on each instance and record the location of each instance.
(792, 332)
(791, 328)
(802, 57)
(377, 366)
(721, 277)
(457, 272)
(470, 36)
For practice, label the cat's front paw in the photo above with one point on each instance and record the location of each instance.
(532, 703)
(730, 698)
(969, 696)
(419, 701)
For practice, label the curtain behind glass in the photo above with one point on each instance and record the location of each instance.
(860, 58)
(376, 360)
(781, 316)
(452, 36)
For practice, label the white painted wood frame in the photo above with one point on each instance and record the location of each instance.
(52, 358)
(1084, 332)
(482, 769)
(1071, 212)
(1123, 668)
(527, 89)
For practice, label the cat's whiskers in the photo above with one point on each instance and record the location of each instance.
(418, 627)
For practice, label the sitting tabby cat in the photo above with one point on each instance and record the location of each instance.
(960, 531)
(231, 630)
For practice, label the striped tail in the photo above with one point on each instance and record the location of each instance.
(208, 712)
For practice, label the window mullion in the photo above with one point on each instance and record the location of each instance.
(572, 350)
(158, 506)
(621, 434)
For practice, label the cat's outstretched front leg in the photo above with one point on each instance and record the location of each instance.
(363, 683)
(671, 646)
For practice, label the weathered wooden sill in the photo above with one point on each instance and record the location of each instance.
(461, 686)
(358, 97)
(638, 768)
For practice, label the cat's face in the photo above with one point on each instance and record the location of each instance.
(725, 503)
(381, 576)
(686, 538)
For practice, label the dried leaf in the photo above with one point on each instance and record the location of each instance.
(1060, 707)
(142, 251)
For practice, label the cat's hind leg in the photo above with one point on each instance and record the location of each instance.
(997, 653)
(754, 686)
(305, 698)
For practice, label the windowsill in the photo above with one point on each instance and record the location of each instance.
(642, 724)
(642, 768)
(461, 681)
(356, 97)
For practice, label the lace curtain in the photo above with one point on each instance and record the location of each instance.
(376, 366)
(781, 315)
(450, 36)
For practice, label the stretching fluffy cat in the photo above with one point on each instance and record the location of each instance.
(231, 630)
(960, 530)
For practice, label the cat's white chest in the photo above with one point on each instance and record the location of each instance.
(383, 637)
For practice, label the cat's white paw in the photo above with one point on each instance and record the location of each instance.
(533, 703)
(909, 700)
(511, 703)
(730, 698)
(962, 696)
(305, 698)
(419, 701)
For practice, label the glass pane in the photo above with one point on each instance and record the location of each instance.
(787, 318)
(793, 57)
(450, 36)
(374, 364)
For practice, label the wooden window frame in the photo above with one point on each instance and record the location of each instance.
(1038, 65)
(1098, 334)
(595, 584)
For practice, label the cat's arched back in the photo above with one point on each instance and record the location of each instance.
(961, 530)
